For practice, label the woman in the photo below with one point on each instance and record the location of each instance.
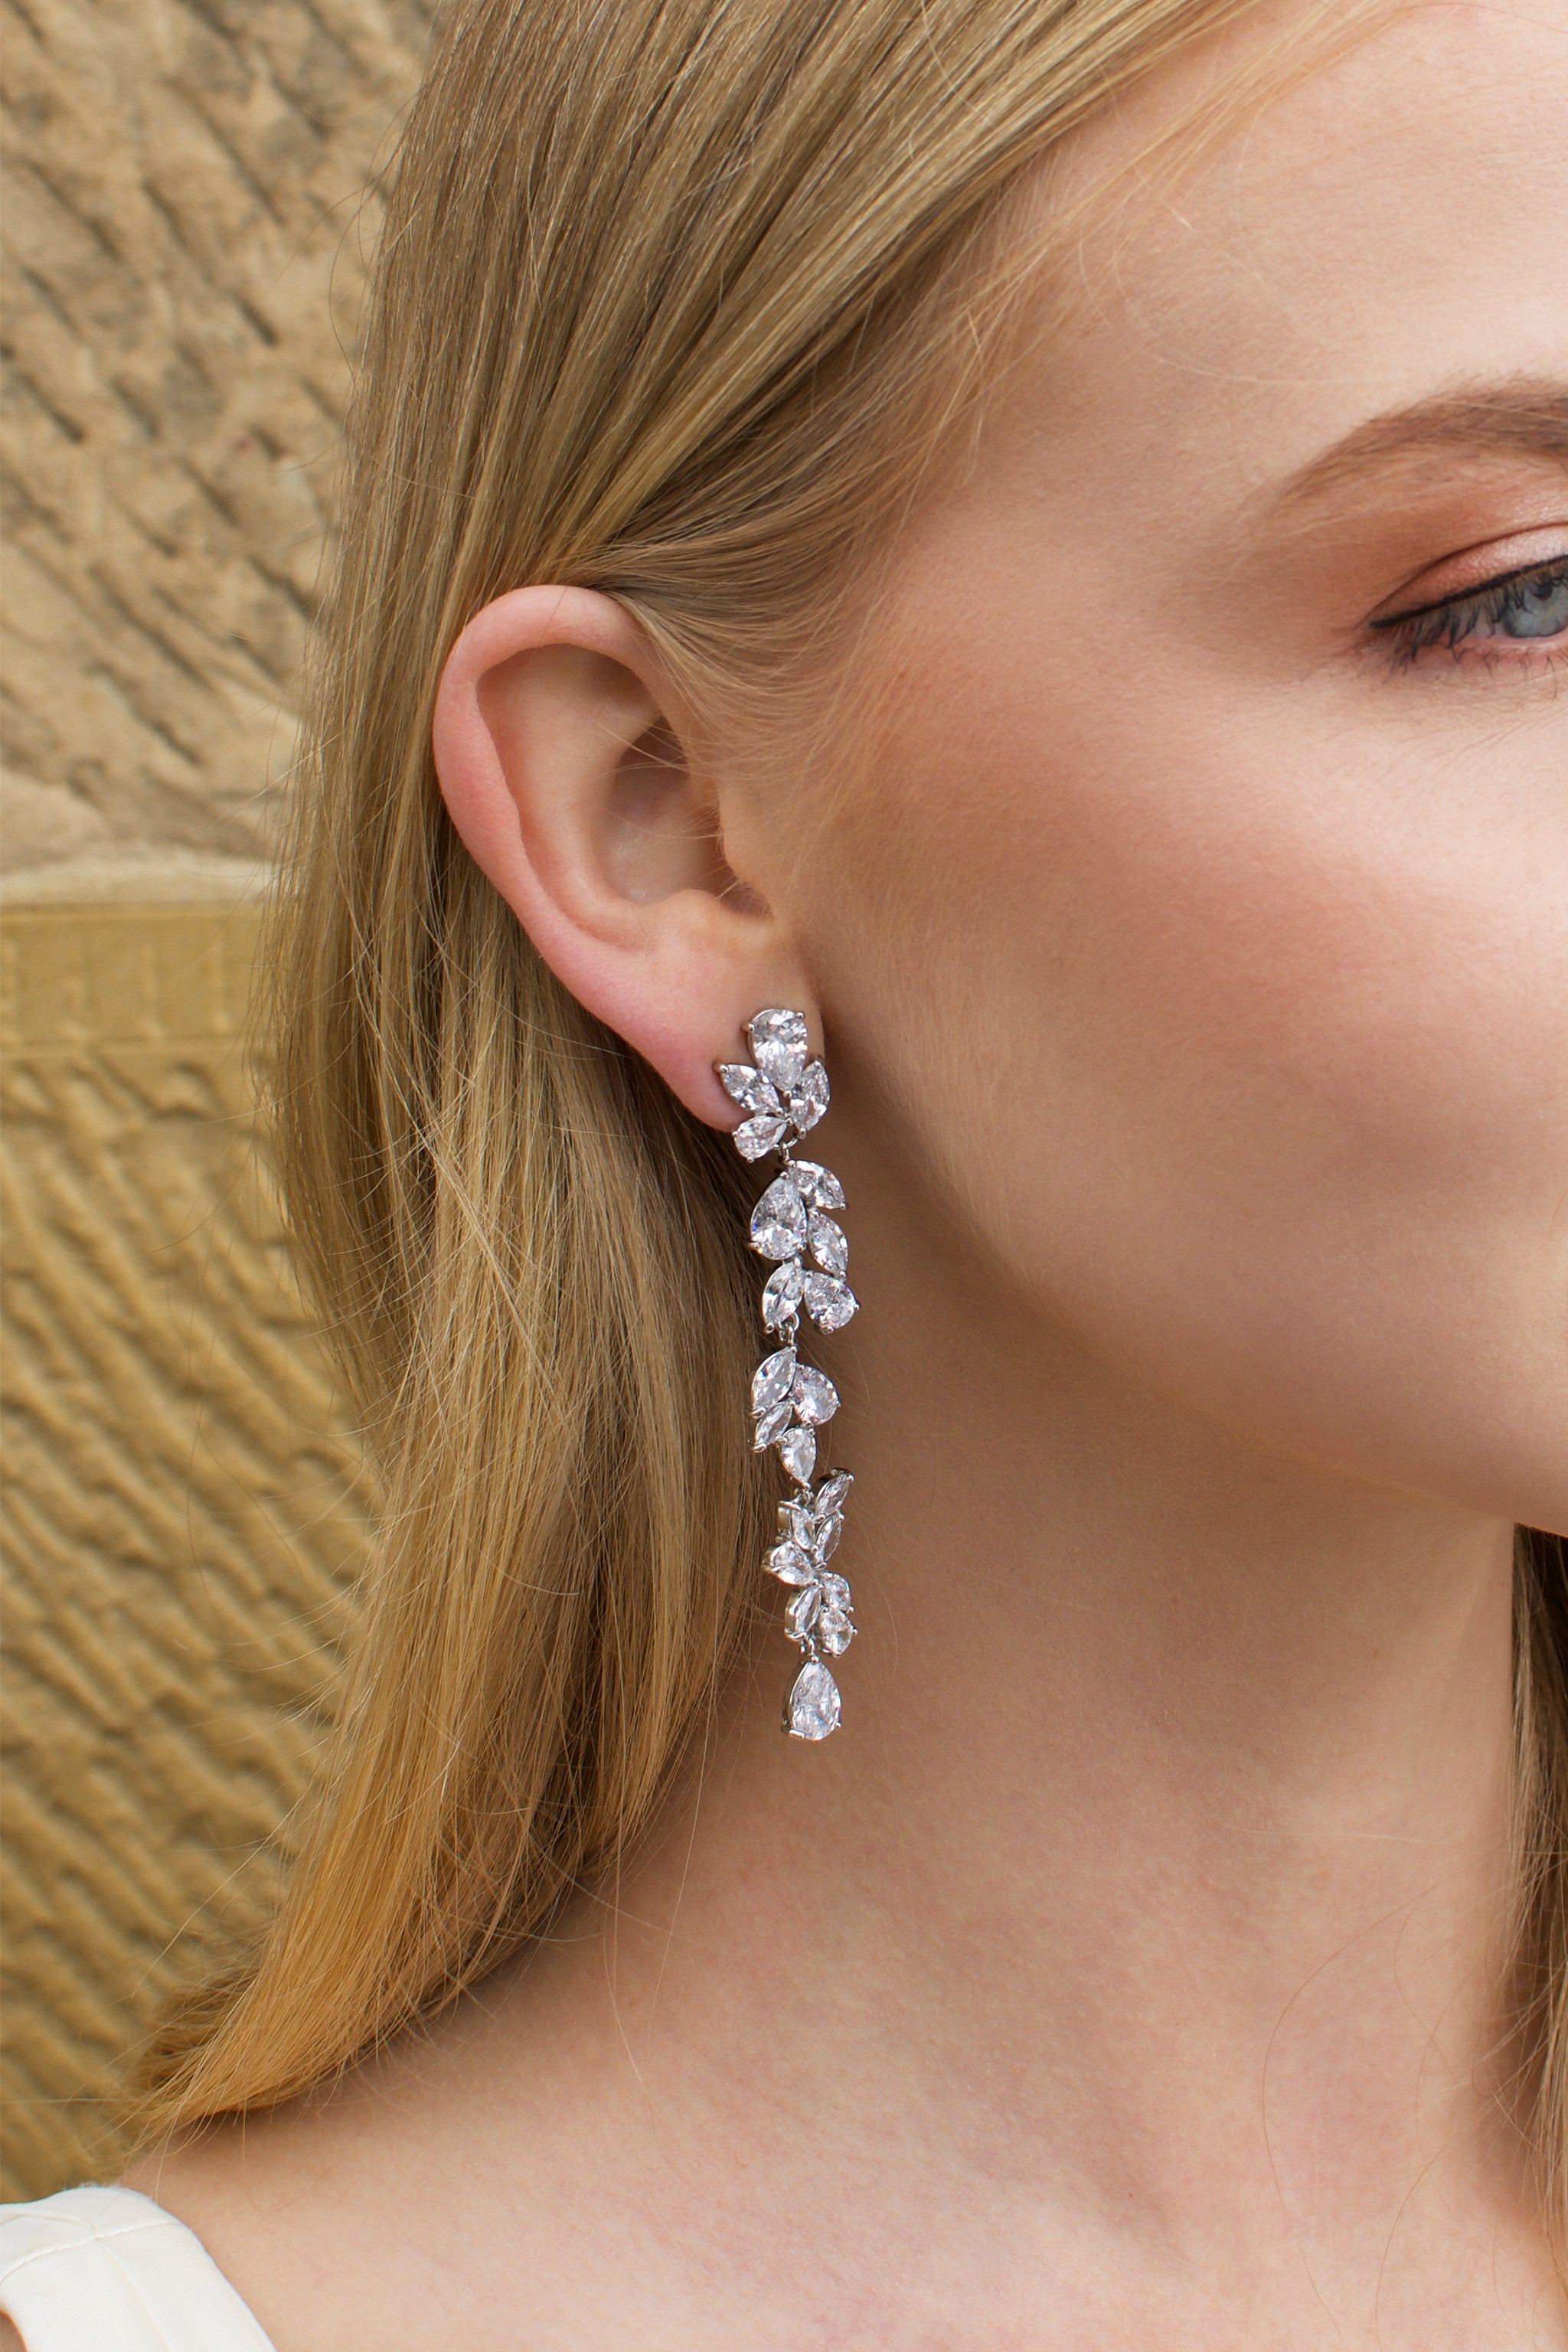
(1035, 538)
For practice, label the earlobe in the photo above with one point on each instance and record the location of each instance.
(561, 750)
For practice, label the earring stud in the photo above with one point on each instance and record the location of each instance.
(784, 1094)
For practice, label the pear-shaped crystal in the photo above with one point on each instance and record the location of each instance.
(811, 1710)
(779, 1047)
(808, 1101)
(772, 1379)
(817, 1186)
(800, 1614)
(772, 1424)
(778, 1221)
(829, 1302)
(797, 1451)
(790, 1565)
(782, 1294)
(829, 1245)
(749, 1087)
(795, 1521)
(835, 1590)
(816, 1398)
(754, 1136)
(834, 1632)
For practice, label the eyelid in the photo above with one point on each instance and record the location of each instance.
(1472, 570)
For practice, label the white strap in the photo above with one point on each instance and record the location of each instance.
(106, 2269)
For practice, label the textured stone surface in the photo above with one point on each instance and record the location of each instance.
(183, 257)
(183, 1507)
(183, 261)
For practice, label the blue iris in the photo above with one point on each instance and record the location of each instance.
(1537, 607)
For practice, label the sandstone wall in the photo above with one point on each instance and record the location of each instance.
(184, 256)
(185, 235)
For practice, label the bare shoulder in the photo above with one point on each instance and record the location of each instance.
(496, 2181)
(9, 2339)
(381, 2216)
(263, 2207)
(302, 2209)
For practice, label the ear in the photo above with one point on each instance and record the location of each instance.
(565, 761)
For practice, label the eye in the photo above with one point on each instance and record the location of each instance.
(1528, 606)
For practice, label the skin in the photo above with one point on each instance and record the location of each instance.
(1194, 976)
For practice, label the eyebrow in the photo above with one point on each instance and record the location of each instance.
(1525, 417)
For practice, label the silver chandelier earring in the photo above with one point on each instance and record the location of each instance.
(784, 1094)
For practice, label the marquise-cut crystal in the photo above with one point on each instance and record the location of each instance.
(808, 1101)
(800, 1614)
(834, 1632)
(797, 1451)
(779, 1047)
(811, 1710)
(825, 1543)
(782, 1294)
(829, 1496)
(817, 1185)
(772, 1424)
(778, 1221)
(772, 1379)
(749, 1087)
(828, 1245)
(755, 1137)
(790, 1565)
(815, 1397)
(829, 1302)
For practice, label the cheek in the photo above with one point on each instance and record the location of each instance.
(1234, 1032)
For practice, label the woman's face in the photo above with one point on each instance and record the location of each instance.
(1200, 929)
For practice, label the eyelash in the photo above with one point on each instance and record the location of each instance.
(1459, 619)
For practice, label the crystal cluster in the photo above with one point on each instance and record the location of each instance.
(809, 1527)
(784, 1095)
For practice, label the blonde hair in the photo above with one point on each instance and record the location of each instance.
(669, 296)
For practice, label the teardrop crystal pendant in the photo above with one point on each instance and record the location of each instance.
(811, 1710)
(785, 1093)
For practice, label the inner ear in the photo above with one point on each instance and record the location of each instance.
(660, 831)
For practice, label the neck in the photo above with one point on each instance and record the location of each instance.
(1157, 1871)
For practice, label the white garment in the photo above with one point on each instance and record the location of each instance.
(105, 2270)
